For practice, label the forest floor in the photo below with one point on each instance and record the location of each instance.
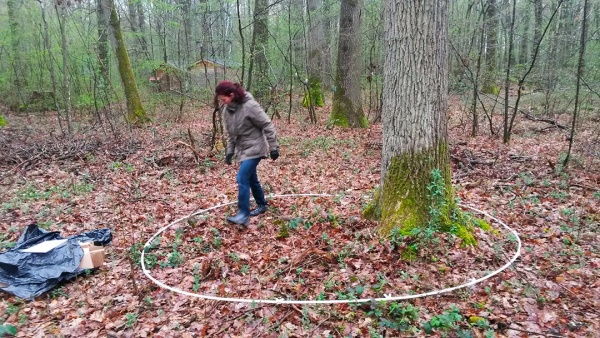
(145, 182)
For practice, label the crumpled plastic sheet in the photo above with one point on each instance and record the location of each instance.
(28, 275)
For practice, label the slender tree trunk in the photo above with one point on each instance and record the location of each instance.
(186, 8)
(102, 84)
(475, 124)
(135, 110)
(51, 64)
(580, 70)
(524, 39)
(142, 28)
(521, 82)
(103, 15)
(538, 8)
(291, 62)
(243, 70)
(347, 110)
(136, 18)
(511, 34)
(13, 23)
(61, 11)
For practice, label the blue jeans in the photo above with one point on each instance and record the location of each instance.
(247, 181)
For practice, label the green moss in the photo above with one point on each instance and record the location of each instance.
(373, 210)
(135, 110)
(417, 199)
(344, 114)
(338, 118)
(315, 92)
(492, 89)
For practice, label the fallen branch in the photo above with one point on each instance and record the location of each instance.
(193, 146)
(531, 332)
(196, 154)
(536, 119)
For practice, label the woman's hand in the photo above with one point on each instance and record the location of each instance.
(274, 154)
(228, 158)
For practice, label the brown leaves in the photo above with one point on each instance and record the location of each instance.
(330, 251)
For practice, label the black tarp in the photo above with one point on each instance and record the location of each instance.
(28, 275)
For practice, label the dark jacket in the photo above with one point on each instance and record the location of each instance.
(251, 133)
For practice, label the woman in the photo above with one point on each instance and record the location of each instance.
(251, 136)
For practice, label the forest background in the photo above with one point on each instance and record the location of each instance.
(80, 152)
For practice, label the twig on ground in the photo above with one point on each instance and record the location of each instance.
(196, 154)
(531, 332)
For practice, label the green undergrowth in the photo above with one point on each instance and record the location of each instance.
(414, 231)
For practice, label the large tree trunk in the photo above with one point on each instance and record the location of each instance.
(415, 100)
(135, 111)
(347, 110)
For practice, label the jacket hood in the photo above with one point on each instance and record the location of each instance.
(233, 106)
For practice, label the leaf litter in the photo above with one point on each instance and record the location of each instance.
(304, 248)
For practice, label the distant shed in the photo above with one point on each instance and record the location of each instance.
(207, 73)
(167, 77)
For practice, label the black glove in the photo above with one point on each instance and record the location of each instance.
(228, 158)
(274, 154)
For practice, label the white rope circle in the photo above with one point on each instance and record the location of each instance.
(332, 301)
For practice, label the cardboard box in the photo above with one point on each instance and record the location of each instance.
(93, 256)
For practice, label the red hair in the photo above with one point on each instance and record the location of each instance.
(227, 88)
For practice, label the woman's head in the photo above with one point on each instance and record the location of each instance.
(228, 92)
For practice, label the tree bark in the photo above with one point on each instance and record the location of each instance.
(258, 69)
(489, 85)
(347, 110)
(61, 11)
(13, 23)
(135, 110)
(415, 101)
(580, 70)
(524, 38)
(51, 63)
(538, 8)
(511, 34)
(316, 59)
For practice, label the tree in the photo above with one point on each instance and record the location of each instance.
(13, 23)
(135, 110)
(524, 38)
(258, 79)
(415, 190)
(347, 110)
(50, 63)
(315, 58)
(579, 75)
(61, 11)
(489, 85)
(137, 22)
